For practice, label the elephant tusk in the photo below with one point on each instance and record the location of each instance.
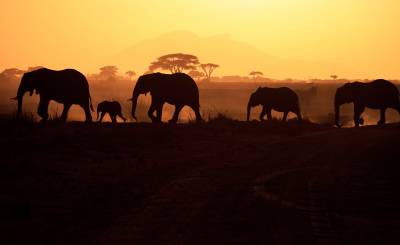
(130, 99)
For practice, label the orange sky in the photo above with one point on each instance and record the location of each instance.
(361, 35)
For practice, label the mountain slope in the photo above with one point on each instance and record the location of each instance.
(234, 57)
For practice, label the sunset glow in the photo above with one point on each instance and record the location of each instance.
(359, 36)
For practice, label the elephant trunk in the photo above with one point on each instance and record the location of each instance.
(97, 115)
(134, 103)
(252, 102)
(19, 106)
(248, 111)
(337, 114)
(20, 95)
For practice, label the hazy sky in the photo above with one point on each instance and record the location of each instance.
(363, 35)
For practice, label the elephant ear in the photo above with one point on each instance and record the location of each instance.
(38, 88)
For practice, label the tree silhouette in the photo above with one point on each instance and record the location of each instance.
(108, 72)
(175, 62)
(130, 74)
(208, 69)
(334, 77)
(256, 74)
(196, 75)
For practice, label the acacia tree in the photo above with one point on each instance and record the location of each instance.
(256, 74)
(208, 69)
(196, 75)
(130, 74)
(108, 72)
(175, 63)
(334, 77)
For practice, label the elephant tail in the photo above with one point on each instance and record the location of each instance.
(90, 104)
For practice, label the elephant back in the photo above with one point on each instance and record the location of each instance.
(67, 85)
(282, 94)
(282, 98)
(177, 88)
(381, 92)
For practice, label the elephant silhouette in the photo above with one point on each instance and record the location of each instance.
(176, 89)
(279, 99)
(379, 94)
(67, 87)
(113, 108)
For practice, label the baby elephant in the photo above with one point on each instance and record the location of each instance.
(279, 99)
(113, 108)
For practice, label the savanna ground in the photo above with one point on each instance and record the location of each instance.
(221, 182)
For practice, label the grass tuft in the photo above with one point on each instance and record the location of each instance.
(220, 118)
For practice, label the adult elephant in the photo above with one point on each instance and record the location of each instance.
(67, 87)
(379, 94)
(279, 99)
(176, 89)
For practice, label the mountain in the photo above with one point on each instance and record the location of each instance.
(234, 57)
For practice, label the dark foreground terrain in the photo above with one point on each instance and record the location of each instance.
(222, 182)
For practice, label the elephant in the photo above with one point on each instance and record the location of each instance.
(177, 89)
(113, 108)
(67, 87)
(379, 94)
(279, 99)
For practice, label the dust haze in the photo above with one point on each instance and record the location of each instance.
(227, 95)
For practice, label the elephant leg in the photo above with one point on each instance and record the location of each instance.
(113, 118)
(102, 116)
(269, 114)
(121, 116)
(263, 112)
(88, 114)
(383, 116)
(65, 112)
(175, 117)
(159, 109)
(43, 108)
(298, 114)
(151, 111)
(358, 110)
(285, 114)
(196, 110)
